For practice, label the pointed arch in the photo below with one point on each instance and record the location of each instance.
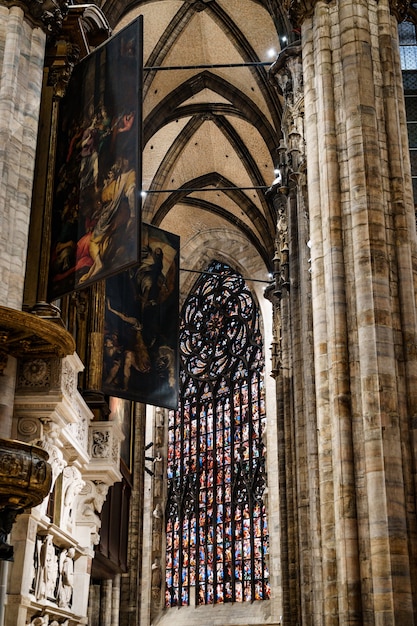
(170, 109)
(264, 243)
(216, 526)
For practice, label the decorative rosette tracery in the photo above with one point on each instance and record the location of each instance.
(218, 326)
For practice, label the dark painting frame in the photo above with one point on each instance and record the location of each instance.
(140, 353)
(122, 412)
(95, 227)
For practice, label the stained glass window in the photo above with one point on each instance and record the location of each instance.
(408, 56)
(216, 530)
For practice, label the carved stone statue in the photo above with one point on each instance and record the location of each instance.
(157, 515)
(159, 427)
(158, 472)
(156, 574)
(47, 570)
(66, 578)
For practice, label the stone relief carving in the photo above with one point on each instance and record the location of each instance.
(91, 499)
(57, 463)
(34, 373)
(100, 444)
(69, 378)
(89, 505)
(79, 430)
(53, 579)
(29, 428)
(46, 569)
(115, 455)
(72, 484)
(288, 191)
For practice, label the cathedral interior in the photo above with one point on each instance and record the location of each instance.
(208, 314)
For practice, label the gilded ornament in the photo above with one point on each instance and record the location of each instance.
(25, 474)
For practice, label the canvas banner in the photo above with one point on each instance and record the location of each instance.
(140, 354)
(95, 226)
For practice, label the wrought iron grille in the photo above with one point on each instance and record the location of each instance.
(217, 532)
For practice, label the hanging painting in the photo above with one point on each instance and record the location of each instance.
(140, 355)
(95, 213)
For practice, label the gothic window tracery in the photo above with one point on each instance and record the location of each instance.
(217, 532)
(408, 55)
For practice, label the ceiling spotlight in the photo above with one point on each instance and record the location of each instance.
(272, 53)
(284, 39)
(143, 194)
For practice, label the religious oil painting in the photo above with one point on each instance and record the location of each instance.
(95, 229)
(140, 354)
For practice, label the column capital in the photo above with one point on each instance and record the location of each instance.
(298, 10)
(399, 8)
(46, 14)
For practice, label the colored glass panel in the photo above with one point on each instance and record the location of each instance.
(217, 532)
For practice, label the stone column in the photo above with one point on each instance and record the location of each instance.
(22, 51)
(106, 603)
(131, 593)
(301, 567)
(364, 311)
(115, 609)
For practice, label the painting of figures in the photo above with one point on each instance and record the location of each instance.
(95, 213)
(140, 353)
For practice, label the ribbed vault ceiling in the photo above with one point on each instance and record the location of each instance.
(211, 125)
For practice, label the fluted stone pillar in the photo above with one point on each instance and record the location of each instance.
(106, 603)
(23, 28)
(363, 261)
(21, 56)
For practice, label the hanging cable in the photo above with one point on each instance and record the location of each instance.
(192, 190)
(163, 68)
(254, 280)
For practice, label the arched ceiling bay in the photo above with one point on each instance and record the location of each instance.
(211, 125)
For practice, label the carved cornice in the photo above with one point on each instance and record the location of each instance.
(24, 334)
(104, 450)
(283, 68)
(47, 14)
(299, 10)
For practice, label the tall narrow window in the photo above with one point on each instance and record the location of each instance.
(408, 54)
(217, 533)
